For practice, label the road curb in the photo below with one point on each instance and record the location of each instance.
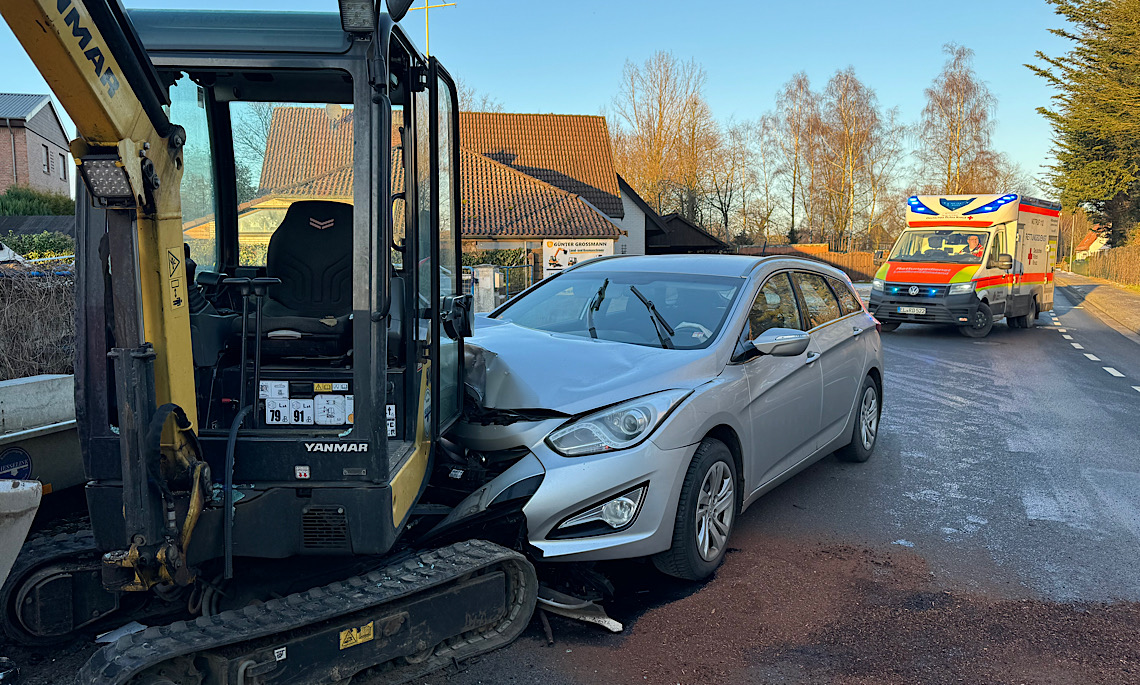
(1108, 319)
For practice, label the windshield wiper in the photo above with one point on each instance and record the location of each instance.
(595, 305)
(659, 321)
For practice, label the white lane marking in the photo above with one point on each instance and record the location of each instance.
(1056, 323)
(1113, 371)
(1077, 346)
(1067, 337)
(1092, 357)
(1062, 330)
(1136, 388)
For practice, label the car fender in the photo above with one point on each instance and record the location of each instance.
(716, 403)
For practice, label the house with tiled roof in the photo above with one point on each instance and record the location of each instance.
(540, 182)
(1092, 243)
(33, 145)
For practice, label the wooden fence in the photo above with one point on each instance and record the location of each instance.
(1120, 264)
(859, 266)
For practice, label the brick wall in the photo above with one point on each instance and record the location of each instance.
(6, 178)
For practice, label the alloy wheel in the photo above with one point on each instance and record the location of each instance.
(716, 502)
(869, 418)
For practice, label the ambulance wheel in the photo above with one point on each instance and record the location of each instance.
(980, 325)
(1031, 321)
(888, 326)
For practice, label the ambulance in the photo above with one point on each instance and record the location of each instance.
(968, 261)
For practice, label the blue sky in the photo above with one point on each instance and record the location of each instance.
(567, 57)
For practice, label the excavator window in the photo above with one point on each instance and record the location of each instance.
(199, 200)
(286, 152)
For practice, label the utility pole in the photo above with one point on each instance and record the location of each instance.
(427, 26)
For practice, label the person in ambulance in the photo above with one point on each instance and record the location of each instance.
(975, 245)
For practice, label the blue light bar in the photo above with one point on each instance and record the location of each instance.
(993, 206)
(917, 207)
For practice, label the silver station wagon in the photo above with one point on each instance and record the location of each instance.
(654, 398)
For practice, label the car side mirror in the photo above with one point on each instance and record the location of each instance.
(780, 342)
(1003, 262)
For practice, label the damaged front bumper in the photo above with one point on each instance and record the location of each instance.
(564, 487)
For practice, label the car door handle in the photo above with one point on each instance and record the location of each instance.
(855, 330)
(812, 356)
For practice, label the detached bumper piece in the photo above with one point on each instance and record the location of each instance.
(409, 619)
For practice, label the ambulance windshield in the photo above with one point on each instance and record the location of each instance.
(941, 245)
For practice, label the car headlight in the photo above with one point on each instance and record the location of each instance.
(877, 284)
(962, 288)
(615, 428)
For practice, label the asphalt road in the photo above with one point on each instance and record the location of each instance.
(991, 538)
(1007, 471)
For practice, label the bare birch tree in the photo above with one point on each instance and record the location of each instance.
(656, 100)
(955, 128)
(796, 107)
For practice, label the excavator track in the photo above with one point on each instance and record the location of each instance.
(402, 621)
(75, 550)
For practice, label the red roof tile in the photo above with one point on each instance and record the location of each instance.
(1088, 241)
(303, 143)
(498, 201)
(568, 151)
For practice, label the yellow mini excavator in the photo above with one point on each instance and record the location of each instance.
(270, 330)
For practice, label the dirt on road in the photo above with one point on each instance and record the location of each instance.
(786, 611)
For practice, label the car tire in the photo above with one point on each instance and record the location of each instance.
(710, 484)
(981, 325)
(888, 326)
(864, 435)
(1031, 319)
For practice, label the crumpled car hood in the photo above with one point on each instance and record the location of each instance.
(512, 367)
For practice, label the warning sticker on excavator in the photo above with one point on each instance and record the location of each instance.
(357, 636)
(174, 279)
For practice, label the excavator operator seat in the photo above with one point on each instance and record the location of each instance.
(311, 252)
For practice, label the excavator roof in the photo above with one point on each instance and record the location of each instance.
(245, 31)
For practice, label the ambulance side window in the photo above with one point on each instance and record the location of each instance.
(998, 248)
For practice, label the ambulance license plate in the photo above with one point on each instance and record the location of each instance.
(912, 310)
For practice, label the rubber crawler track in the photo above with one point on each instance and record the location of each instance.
(134, 654)
(66, 547)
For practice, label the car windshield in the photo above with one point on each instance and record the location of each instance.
(576, 303)
(941, 245)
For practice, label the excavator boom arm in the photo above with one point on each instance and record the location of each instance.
(90, 59)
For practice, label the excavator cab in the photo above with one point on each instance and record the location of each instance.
(270, 330)
(320, 283)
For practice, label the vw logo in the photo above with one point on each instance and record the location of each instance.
(913, 290)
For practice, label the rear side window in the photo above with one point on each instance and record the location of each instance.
(847, 300)
(821, 304)
(774, 307)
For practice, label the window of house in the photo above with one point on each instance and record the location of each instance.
(47, 159)
(62, 167)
